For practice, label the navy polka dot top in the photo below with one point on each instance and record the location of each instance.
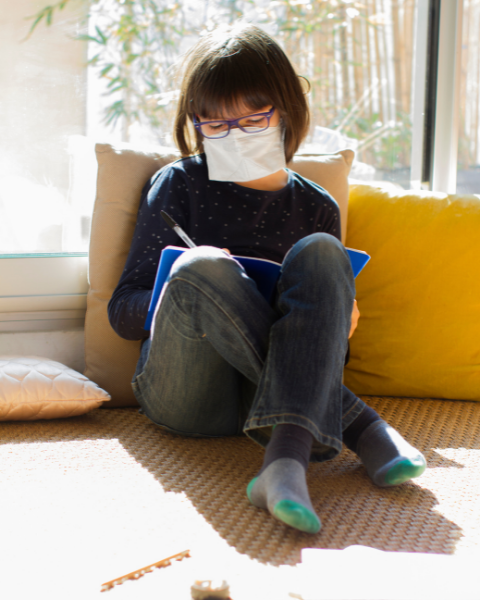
(215, 213)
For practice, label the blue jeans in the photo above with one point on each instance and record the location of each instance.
(220, 360)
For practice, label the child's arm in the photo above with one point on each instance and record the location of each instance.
(128, 307)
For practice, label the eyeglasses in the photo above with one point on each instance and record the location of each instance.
(221, 128)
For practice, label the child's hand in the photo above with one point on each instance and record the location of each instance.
(355, 317)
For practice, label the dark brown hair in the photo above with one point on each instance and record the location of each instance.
(238, 66)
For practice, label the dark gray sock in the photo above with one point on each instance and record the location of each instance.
(387, 456)
(281, 485)
(357, 427)
(281, 489)
(288, 441)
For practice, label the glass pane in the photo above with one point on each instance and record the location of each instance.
(468, 164)
(358, 57)
(42, 104)
(359, 60)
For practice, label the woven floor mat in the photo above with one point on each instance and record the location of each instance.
(114, 483)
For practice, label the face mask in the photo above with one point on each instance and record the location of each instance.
(244, 156)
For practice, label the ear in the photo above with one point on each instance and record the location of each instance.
(305, 84)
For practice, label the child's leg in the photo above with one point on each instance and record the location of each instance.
(211, 328)
(300, 390)
(301, 383)
(213, 323)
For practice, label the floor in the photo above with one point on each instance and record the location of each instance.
(88, 499)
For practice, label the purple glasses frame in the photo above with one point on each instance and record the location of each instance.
(231, 123)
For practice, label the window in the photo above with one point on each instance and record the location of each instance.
(358, 57)
(364, 61)
(43, 118)
(468, 173)
(43, 214)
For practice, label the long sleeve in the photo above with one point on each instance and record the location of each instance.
(128, 307)
(329, 218)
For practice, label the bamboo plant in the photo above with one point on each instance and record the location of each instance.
(339, 45)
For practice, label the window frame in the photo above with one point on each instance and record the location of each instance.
(436, 104)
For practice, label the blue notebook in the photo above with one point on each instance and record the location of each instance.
(264, 272)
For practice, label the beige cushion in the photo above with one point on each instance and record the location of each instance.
(331, 172)
(32, 387)
(122, 173)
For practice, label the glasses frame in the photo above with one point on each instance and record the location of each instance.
(231, 123)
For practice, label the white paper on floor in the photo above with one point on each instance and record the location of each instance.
(363, 573)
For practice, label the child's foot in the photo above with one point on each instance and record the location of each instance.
(282, 490)
(281, 486)
(387, 456)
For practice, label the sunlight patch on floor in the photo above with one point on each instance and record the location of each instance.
(92, 513)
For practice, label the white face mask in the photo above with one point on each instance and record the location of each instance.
(244, 156)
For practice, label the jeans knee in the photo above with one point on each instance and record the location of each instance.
(318, 265)
(319, 252)
(204, 263)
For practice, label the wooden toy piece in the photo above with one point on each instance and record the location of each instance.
(208, 590)
(148, 569)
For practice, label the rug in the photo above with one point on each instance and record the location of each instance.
(90, 498)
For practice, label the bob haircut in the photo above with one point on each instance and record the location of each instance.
(234, 67)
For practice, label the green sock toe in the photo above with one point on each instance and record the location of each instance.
(297, 516)
(405, 470)
(249, 488)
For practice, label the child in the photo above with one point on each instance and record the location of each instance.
(219, 359)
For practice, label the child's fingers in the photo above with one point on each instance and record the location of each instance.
(355, 317)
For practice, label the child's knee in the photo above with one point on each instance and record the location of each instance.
(318, 252)
(205, 264)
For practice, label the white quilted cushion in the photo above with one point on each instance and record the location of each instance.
(39, 388)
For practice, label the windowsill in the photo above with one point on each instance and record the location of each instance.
(47, 302)
(46, 255)
(62, 320)
(43, 293)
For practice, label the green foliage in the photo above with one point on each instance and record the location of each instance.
(135, 44)
(46, 14)
(385, 145)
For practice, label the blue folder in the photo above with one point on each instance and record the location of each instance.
(264, 272)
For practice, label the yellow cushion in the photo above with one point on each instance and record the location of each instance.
(419, 296)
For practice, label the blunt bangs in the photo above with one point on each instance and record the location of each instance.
(233, 84)
(236, 69)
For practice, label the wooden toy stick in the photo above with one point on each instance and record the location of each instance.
(140, 572)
